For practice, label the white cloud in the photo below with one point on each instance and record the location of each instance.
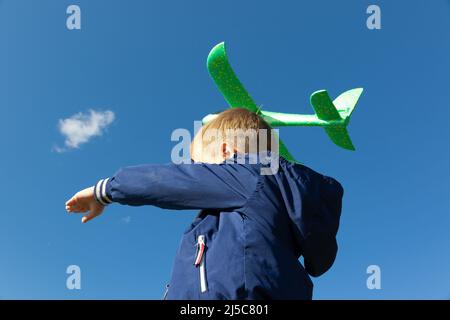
(81, 127)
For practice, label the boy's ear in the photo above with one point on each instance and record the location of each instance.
(226, 151)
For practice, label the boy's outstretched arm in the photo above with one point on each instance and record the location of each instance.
(170, 186)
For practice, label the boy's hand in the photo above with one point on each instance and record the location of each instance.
(84, 201)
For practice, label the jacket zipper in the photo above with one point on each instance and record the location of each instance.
(200, 262)
(166, 291)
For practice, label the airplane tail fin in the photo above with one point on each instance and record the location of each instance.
(339, 109)
(346, 102)
(339, 135)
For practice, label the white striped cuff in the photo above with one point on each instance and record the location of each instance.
(100, 192)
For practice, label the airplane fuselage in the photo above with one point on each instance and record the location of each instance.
(277, 119)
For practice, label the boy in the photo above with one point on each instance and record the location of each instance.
(251, 229)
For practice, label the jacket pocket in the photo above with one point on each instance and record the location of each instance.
(199, 262)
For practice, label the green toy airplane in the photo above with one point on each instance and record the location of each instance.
(333, 116)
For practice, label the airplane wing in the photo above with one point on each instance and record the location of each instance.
(229, 85)
(232, 89)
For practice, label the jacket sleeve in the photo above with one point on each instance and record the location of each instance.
(313, 203)
(180, 186)
(321, 225)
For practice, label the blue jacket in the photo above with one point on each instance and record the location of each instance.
(251, 230)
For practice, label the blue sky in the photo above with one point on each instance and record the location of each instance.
(145, 62)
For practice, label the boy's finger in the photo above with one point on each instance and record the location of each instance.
(74, 208)
(72, 201)
(91, 215)
(71, 208)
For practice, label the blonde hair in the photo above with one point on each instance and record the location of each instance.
(248, 125)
